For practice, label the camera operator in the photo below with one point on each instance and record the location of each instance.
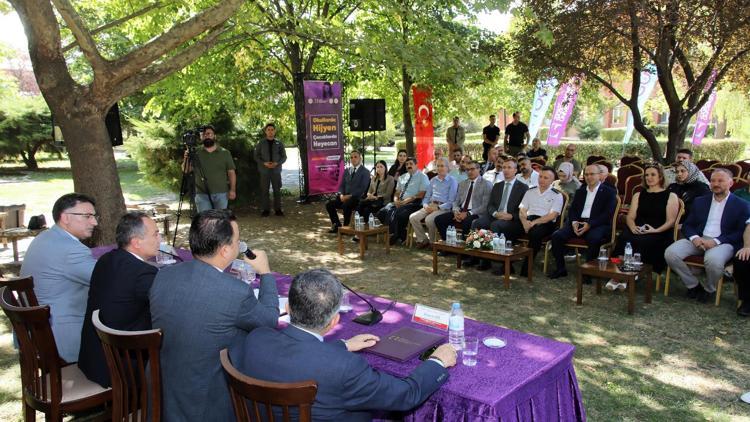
(215, 178)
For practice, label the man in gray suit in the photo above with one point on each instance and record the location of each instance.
(270, 155)
(470, 204)
(502, 209)
(201, 310)
(61, 266)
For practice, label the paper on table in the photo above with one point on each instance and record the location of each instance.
(282, 300)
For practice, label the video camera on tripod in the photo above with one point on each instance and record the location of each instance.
(192, 137)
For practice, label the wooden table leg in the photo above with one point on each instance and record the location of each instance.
(362, 246)
(649, 286)
(530, 260)
(506, 279)
(387, 242)
(166, 227)
(15, 249)
(459, 257)
(579, 289)
(631, 295)
(598, 286)
(341, 244)
(434, 259)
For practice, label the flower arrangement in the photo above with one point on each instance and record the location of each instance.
(480, 239)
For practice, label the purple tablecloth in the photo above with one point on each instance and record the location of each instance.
(532, 378)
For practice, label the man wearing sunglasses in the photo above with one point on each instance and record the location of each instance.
(61, 266)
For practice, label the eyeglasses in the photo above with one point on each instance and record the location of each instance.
(85, 214)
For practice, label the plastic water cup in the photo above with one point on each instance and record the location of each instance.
(242, 270)
(345, 305)
(470, 351)
(603, 256)
(508, 246)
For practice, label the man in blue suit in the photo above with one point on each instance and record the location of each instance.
(202, 310)
(348, 388)
(590, 218)
(61, 266)
(354, 184)
(712, 229)
(119, 289)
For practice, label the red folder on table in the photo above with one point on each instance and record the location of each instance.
(405, 343)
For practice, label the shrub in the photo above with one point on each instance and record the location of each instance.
(589, 130)
(158, 150)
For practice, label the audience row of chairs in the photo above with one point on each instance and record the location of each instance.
(55, 387)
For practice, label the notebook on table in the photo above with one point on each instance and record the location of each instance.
(405, 343)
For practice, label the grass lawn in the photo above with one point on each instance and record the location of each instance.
(674, 360)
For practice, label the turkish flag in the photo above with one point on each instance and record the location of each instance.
(423, 129)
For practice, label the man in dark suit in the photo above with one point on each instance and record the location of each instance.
(742, 273)
(353, 186)
(119, 289)
(713, 229)
(589, 217)
(201, 310)
(348, 388)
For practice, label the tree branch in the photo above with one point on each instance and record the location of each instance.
(119, 21)
(82, 35)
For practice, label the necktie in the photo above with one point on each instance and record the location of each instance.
(406, 186)
(504, 200)
(468, 198)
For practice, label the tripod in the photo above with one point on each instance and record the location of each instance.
(193, 163)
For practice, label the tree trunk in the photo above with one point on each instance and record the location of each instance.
(721, 129)
(406, 83)
(677, 131)
(92, 162)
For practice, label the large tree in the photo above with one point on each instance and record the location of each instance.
(611, 42)
(79, 104)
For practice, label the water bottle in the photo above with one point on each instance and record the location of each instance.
(456, 327)
(450, 235)
(502, 243)
(371, 221)
(357, 221)
(628, 258)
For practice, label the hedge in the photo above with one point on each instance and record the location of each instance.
(724, 150)
(661, 131)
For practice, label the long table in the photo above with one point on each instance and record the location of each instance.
(531, 378)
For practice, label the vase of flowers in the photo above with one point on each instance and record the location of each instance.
(480, 239)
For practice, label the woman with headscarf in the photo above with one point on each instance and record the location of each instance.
(566, 181)
(688, 185)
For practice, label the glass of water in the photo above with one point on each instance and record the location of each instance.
(470, 350)
(508, 246)
(603, 255)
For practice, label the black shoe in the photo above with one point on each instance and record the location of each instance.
(265, 213)
(279, 213)
(558, 274)
(484, 265)
(470, 262)
(587, 280)
(444, 253)
(703, 296)
(355, 239)
(501, 270)
(692, 293)
(393, 240)
(744, 310)
(334, 229)
(525, 268)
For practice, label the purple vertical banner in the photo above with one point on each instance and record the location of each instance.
(325, 141)
(566, 100)
(704, 115)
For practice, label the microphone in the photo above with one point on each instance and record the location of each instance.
(167, 250)
(246, 251)
(369, 318)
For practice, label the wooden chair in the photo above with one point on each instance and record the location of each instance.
(51, 386)
(734, 168)
(697, 261)
(593, 159)
(745, 166)
(267, 394)
(135, 390)
(546, 244)
(536, 166)
(22, 291)
(622, 175)
(739, 184)
(578, 243)
(538, 160)
(707, 172)
(559, 156)
(630, 184)
(628, 159)
(606, 164)
(704, 164)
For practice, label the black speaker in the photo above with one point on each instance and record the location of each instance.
(367, 115)
(112, 120)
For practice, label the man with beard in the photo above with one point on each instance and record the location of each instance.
(214, 170)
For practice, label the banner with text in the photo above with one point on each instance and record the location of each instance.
(648, 81)
(325, 141)
(423, 129)
(704, 115)
(543, 94)
(566, 100)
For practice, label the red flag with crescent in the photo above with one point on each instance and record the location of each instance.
(423, 129)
